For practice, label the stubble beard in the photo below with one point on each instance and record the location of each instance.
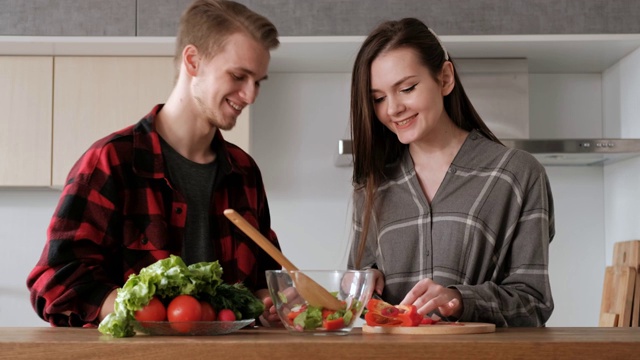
(215, 118)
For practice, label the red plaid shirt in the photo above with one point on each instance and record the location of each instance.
(118, 213)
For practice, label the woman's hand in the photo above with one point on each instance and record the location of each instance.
(378, 281)
(427, 296)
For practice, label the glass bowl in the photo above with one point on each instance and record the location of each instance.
(352, 287)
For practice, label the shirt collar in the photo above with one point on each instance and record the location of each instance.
(147, 151)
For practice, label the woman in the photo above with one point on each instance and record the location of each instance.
(453, 221)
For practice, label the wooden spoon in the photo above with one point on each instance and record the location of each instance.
(310, 290)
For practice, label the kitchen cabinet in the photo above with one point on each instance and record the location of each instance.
(25, 120)
(95, 96)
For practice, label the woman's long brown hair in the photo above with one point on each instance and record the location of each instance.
(375, 146)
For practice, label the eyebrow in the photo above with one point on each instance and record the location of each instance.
(398, 82)
(245, 70)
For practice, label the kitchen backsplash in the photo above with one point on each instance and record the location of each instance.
(326, 17)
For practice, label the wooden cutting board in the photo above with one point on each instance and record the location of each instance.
(441, 328)
(627, 253)
(617, 295)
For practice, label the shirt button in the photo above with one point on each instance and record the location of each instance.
(452, 170)
(144, 241)
(178, 210)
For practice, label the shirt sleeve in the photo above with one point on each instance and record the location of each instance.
(523, 295)
(264, 260)
(69, 284)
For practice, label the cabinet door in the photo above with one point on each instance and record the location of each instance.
(95, 96)
(25, 120)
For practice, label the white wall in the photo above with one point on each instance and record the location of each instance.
(24, 217)
(570, 106)
(621, 91)
(576, 254)
(296, 124)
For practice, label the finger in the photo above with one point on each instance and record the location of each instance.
(268, 302)
(450, 308)
(416, 292)
(379, 285)
(432, 305)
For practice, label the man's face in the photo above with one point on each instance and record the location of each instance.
(229, 81)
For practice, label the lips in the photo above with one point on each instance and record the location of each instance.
(237, 107)
(405, 122)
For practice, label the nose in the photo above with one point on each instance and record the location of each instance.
(249, 92)
(394, 106)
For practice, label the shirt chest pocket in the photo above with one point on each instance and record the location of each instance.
(140, 236)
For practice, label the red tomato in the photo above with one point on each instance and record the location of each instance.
(183, 309)
(208, 313)
(226, 315)
(153, 311)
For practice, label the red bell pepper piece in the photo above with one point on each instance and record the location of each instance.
(381, 313)
(335, 324)
(326, 313)
(293, 314)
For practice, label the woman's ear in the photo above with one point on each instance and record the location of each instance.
(190, 60)
(447, 78)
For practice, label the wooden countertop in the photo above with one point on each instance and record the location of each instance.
(521, 343)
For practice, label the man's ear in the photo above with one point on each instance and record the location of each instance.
(447, 78)
(191, 59)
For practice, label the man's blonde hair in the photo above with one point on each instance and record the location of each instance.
(206, 24)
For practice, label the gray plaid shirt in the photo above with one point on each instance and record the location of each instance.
(486, 232)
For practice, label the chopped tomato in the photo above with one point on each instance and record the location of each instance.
(333, 324)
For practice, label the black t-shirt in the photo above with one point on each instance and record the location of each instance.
(195, 182)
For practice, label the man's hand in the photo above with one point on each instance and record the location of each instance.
(107, 305)
(269, 317)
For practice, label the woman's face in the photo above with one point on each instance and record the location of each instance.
(406, 98)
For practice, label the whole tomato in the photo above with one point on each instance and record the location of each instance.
(182, 310)
(226, 315)
(153, 311)
(208, 313)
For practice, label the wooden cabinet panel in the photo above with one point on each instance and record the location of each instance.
(25, 120)
(95, 96)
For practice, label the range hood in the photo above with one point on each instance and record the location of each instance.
(577, 152)
(550, 152)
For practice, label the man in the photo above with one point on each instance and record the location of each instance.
(160, 187)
